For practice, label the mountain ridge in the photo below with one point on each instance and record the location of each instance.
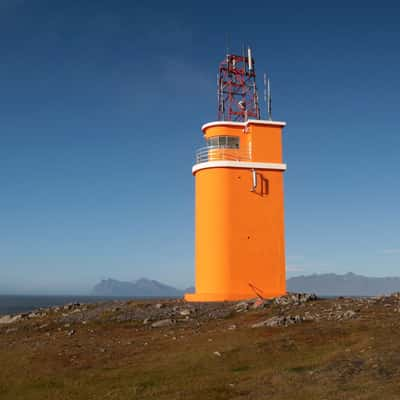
(349, 284)
(329, 284)
(141, 287)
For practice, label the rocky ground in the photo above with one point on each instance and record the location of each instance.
(291, 347)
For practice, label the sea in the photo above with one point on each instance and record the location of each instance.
(14, 304)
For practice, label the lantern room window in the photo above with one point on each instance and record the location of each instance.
(224, 142)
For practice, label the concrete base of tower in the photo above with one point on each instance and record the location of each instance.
(216, 297)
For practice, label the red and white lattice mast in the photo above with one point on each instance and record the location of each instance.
(237, 90)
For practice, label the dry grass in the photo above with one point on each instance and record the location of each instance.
(355, 359)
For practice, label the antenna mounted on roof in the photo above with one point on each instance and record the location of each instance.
(267, 97)
(236, 88)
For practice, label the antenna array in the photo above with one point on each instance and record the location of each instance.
(237, 90)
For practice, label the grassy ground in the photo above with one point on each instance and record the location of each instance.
(349, 359)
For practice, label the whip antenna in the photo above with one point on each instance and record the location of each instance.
(269, 100)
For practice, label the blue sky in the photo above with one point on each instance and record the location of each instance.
(101, 104)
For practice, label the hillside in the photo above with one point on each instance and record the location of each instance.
(294, 347)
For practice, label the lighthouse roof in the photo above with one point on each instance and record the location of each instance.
(244, 124)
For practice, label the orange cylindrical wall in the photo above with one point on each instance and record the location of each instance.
(239, 232)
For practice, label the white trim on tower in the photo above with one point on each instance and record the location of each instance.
(238, 164)
(244, 124)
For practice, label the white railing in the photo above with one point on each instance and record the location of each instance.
(217, 153)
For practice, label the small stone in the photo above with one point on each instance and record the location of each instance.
(232, 327)
(71, 332)
(308, 316)
(185, 312)
(162, 323)
(242, 306)
(159, 305)
(349, 314)
(146, 321)
(217, 353)
(281, 300)
(260, 324)
(259, 303)
(297, 319)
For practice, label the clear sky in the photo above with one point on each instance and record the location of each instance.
(101, 104)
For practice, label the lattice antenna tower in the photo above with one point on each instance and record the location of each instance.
(237, 89)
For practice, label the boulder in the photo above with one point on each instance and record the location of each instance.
(9, 319)
(279, 321)
(295, 298)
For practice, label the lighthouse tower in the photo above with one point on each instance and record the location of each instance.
(239, 207)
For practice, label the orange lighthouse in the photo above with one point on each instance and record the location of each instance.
(239, 204)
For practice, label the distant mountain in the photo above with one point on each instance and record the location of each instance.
(141, 288)
(343, 285)
(322, 284)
